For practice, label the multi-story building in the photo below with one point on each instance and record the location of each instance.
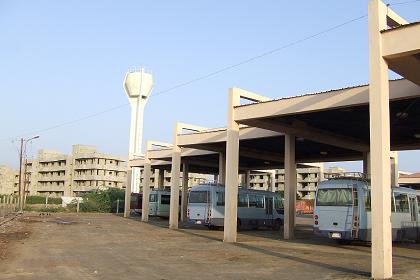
(161, 179)
(308, 179)
(85, 169)
(9, 179)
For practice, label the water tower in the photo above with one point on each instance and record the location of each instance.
(138, 86)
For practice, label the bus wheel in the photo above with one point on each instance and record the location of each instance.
(343, 241)
(276, 224)
(238, 224)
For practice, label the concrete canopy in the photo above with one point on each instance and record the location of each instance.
(338, 118)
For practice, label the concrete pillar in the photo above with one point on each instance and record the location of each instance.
(272, 187)
(146, 191)
(394, 169)
(248, 179)
(161, 179)
(366, 164)
(290, 182)
(128, 194)
(175, 174)
(379, 145)
(184, 194)
(232, 168)
(155, 173)
(222, 168)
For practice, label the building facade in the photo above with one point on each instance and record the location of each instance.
(85, 169)
(161, 179)
(9, 179)
(308, 179)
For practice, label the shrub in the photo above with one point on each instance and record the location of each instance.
(104, 201)
(36, 199)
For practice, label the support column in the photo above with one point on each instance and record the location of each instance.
(290, 182)
(128, 194)
(222, 168)
(232, 168)
(379, 145)
(161, 179)
(273, 180)
(248, 179)
(175, 174)
(394, 169)
(366, 164)
(184, 194)
(146, 192)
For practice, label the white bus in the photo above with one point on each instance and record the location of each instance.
(206, 206)
(343, 211)
(159, 201)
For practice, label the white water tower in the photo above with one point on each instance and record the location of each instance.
(138, 86)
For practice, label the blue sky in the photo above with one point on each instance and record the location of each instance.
(62, 60)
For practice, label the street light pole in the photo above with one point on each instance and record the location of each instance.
(23, 143)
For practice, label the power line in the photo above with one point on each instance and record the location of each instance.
(206, 76)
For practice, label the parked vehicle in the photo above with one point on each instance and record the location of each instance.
(136, 202)
(159, 202)
(206, 206)
(343, 211)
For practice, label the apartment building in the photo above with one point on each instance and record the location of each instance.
(85, 169)
(308, 179)
(161, 179)
(9, 179)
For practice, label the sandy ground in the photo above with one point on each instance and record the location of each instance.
(105, 246)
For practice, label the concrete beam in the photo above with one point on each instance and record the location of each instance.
(314, 134)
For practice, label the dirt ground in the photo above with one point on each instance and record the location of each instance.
(105, 246)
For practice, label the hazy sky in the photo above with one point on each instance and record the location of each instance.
(63, 60)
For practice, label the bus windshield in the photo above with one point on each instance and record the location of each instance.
(334, 197)
(199, 197)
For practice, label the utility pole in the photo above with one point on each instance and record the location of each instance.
(20, 175)
(22, 152)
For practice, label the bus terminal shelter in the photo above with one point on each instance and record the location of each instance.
(364, 122)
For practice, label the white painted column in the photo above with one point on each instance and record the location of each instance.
(290, 182)
(379, 145)
(232, 168)
(222, 168)
(146, 192)
(175, 174)
(127, 194)
(394, 169)
(184, 194)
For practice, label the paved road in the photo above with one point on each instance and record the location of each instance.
(100, 246)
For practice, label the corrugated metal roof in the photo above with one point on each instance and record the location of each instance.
(313, 93)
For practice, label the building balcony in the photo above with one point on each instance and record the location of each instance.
(91, 177)
(111, 167)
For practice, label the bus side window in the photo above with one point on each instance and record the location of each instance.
(401, 203)
(242, 200)
(368, 202)
(259, 201)
(220, 199)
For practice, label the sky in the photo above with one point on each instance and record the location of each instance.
(65, 60)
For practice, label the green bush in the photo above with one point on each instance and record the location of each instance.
(36, 199)
(104, 201)
(45, 209)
